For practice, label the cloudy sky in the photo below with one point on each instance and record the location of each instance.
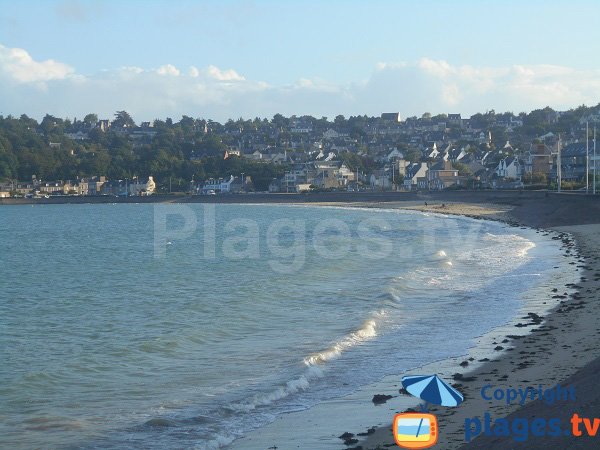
(228, 59)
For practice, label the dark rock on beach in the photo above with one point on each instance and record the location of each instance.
(380, 399)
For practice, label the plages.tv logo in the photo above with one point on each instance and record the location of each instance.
(420, 430)
(415, 430)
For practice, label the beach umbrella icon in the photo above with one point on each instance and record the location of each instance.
(432, 389)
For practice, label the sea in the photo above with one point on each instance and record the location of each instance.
(188, 326)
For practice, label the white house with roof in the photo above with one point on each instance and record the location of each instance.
(140, 187)
(433, 153)
(413, 172)
(509, 167)
(218, 185)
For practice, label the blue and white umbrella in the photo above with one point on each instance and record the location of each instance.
(432, 389)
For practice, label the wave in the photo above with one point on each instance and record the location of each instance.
(366, 332)
(219, 441)
(291, 387)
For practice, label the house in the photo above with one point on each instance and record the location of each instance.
(457, 154)
(279, 158)
(330, 174)
(331, 134)
(455, 119)
(143, 133)
(217, 185)
(255, 156)
(301, 125)
(381, 179)
(395, 154)
(433, 151)
(89, 186)
(442, 175)
(538, 159)
(401, 165)
(24, 188)
(345, 175)
(103, 125)
(114, 187)
(509, 167)
(415, 171)
(138, 187)
(77, 136)
(574, 163)
(326, 177)
(55, 187)
(391, 117)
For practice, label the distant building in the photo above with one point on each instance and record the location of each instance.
(103, 125)
(509, 167)
(380, 179)
(414, 172)
(391, 117)
(538, 159)
(454, 119)
(89, 186)
(442, 175)
(218, 185)
(137, 187)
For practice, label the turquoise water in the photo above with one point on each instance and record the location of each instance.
(119, 330)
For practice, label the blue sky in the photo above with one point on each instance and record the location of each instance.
(221, 59)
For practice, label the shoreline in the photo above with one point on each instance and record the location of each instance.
(547, 355)
(376, 434)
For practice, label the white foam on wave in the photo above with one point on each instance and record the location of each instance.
(219, 441)
(523, 244)
(291, 387)
(366, 332)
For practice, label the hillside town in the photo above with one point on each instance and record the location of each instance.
(302, 154)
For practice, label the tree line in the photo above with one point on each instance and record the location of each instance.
(179, 153)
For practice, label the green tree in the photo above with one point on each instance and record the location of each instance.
(90, 120)
(123, 119)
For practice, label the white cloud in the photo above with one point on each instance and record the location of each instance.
(19, 66)
(211, 92)
(168, 69)
(223, 75)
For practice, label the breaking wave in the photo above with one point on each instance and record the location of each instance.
(366, 332)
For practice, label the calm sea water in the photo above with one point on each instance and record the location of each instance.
(121, 330)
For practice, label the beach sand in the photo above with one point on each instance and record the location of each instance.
(563, 348)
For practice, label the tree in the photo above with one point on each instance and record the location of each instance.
(51, 124)
(339, 120)
(123, 119)
(412, 154)
(90, 120)
(463, 169)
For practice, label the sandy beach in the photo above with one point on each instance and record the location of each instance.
(562, 348)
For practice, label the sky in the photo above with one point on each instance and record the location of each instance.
(238, 58)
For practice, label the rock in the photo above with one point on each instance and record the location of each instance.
(380, 399)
